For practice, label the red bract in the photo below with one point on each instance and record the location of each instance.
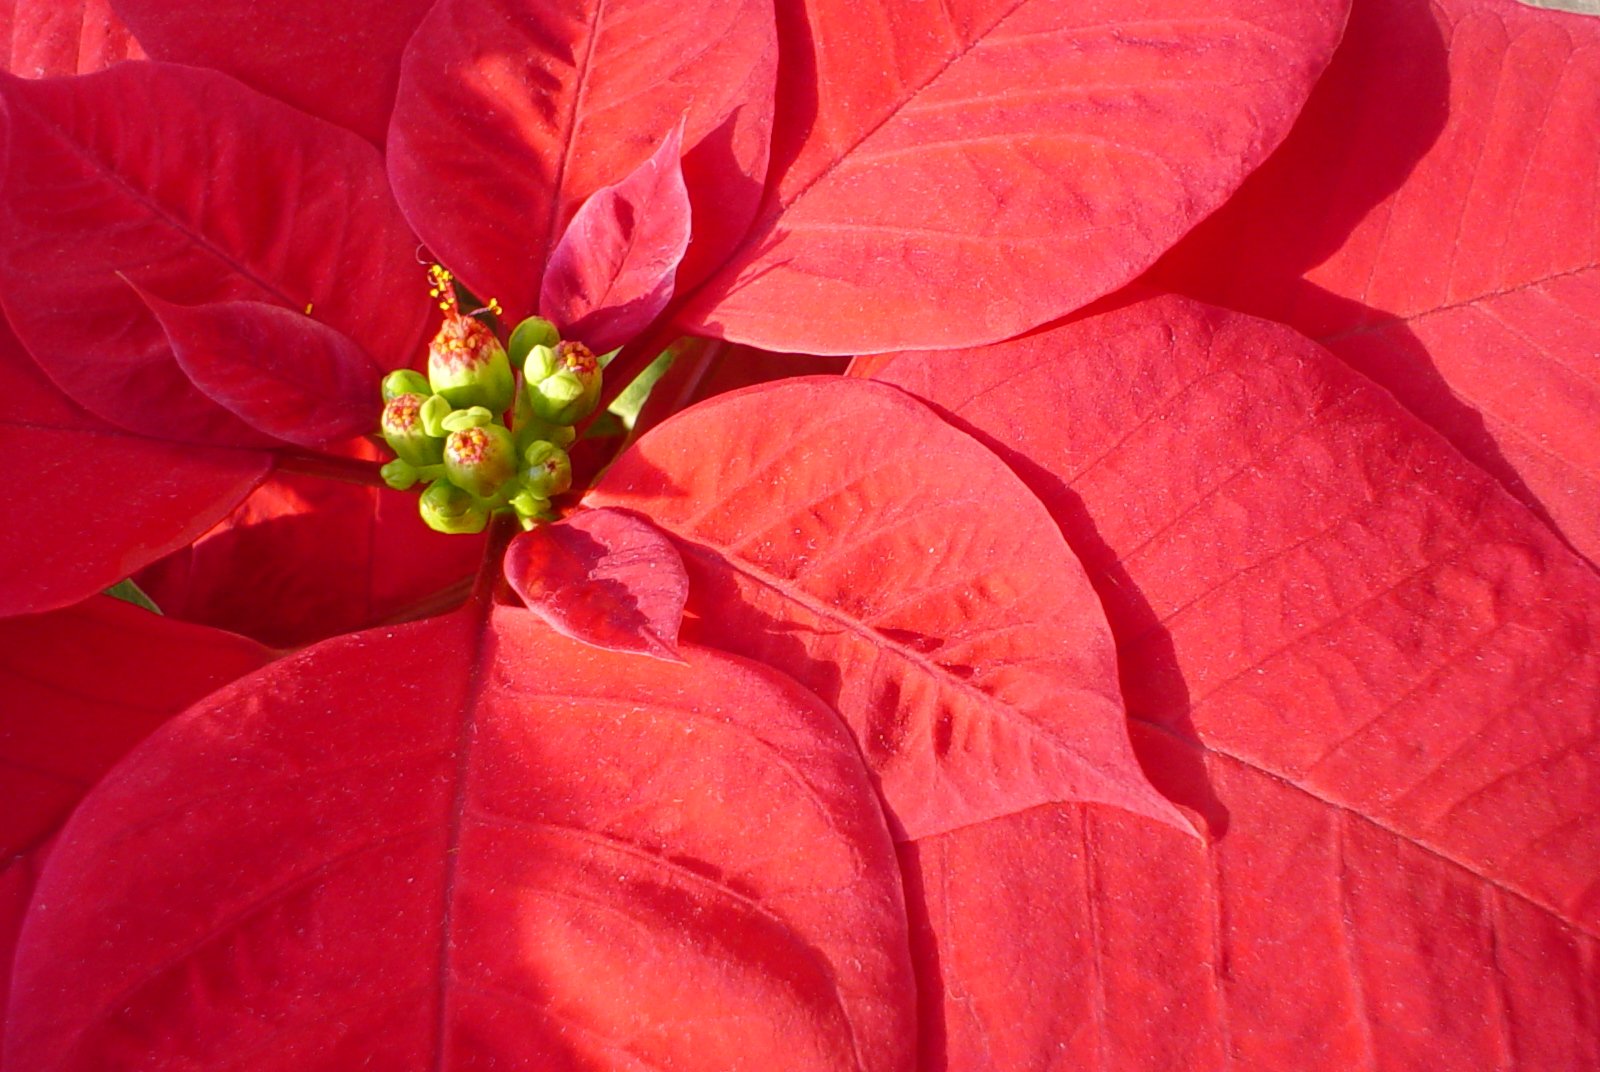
(1145, 690)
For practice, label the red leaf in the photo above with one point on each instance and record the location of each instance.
(456, 843)
(839, 531)
(56, 37)
(340, 62)
(1434, 221)
(280, 371)
(63, 726)
(611, 273)
(606, 578)
(1370, 671)
(511, 113)
(223, 195)
(90, 503)
(955, 173)
(304, 558)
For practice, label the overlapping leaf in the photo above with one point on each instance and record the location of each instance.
(90, 503)
(1370, 672)
(43, 38)
(510, 113)
(1450, 249)
(83, 685)
(841, 532)
(218, 194)
(950, 174)
(339, 62)
(461, 841)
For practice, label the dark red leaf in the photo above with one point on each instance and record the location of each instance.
(460, 843)
(89, 503)
(56, 37)
(218, 194)
(1449, 248)
(340, 62)
(611, 273)
(955, 173)
(606, 578)
(841, 532)
(511, 113)
(82, 686)
(305, 558)
(278, 370)
(1371, 673)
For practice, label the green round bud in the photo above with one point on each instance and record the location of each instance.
(469, 367)
(399, 474)
(549, 470)
(446, 508)
(481, 459)
(433, 413)
(472, 417)
(405, 382)
(541, 362)
(530, 508)
(534, 331)
(406, 433)
(569, 393)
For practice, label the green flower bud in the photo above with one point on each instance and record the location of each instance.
(549, 470)
(433, 413)
(571, 392)
(481, 459)
(472, 417)
(406, 433)
(399, 474)
(529, 428)
(541, 362)
(469, 367)
(530, 508)
(405, 382)
(534, 331)
(446, 508)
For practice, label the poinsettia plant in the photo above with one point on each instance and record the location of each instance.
(1169, 645)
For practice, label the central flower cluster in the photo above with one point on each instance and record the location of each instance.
(450, 428)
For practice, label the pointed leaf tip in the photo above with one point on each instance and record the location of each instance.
(604, 577)
(613, 270)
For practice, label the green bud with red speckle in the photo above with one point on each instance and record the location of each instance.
(469, 367)
(481, 459)
(571, 389)
(547, 470)
(446, 508)
(403, 429)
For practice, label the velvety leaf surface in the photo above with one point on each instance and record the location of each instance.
(604, 577)
(1435, 220)
(1370, 672)
(278, 370)
(340, 62)
(91, 503)
(926, 152)
(59, 37)
(457, 843)
(216, 194)
(304, 558)
(841, 532)
(512, 112)
(83, 685)
(611, 274)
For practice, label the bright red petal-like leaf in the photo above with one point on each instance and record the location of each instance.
(340, 62)
(1369, 671)
(955, 173)
(89, 503)
(305, 558)
(512, 112)
(611, 273)
(458, 843)
(841, 532)
(216, 194)
(82, 686)
(604, 577)
(56, 37)
(1449, 247)
(278, 370)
